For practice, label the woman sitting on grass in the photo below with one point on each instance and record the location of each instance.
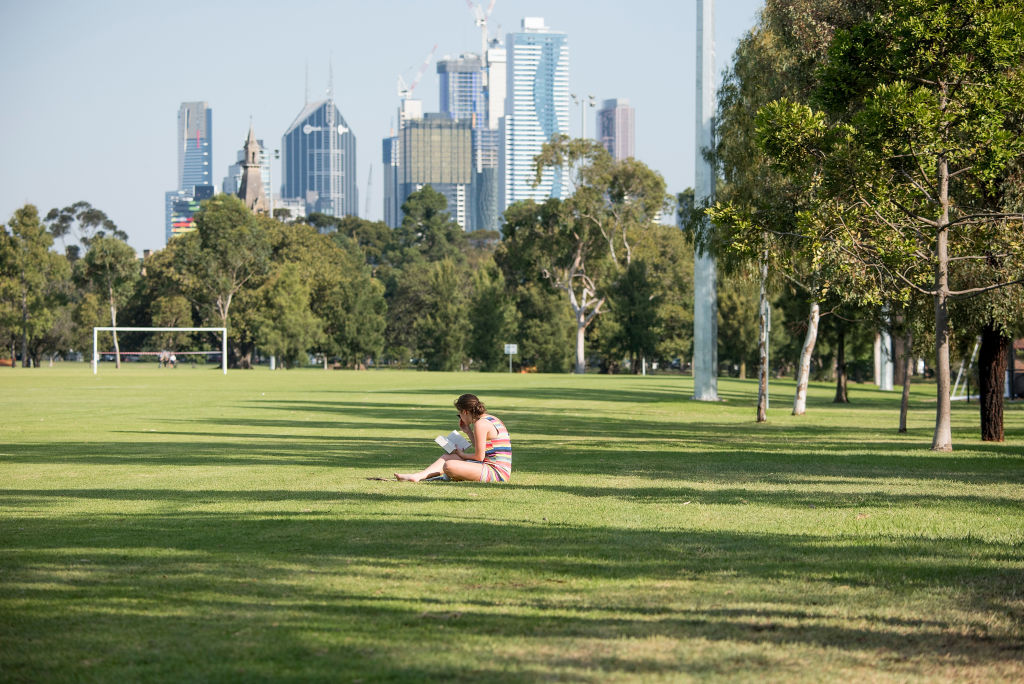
(491, 460)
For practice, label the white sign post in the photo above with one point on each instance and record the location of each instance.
(511, 349)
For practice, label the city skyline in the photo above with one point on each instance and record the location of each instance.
(113, 78)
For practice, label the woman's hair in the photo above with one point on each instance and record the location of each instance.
(469, 402)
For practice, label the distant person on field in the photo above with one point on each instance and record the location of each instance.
(173, 360)
(491, 460)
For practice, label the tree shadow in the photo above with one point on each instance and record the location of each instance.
(518, 575)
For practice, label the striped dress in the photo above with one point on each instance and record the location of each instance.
(497, 454)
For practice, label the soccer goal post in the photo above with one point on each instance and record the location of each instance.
(223, 342)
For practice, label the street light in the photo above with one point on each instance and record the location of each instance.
(277, 155)
(583, 104)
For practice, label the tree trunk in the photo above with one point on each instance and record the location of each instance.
(943, 438)
(804, 372)
(113, 322)
(743, 370)
(898, 353)
(841, 395)
(24, 330)
(907, 368)
(992, 381)
(580, 335)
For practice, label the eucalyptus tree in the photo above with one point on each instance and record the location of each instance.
(346, 300)
(227, 256)
(754, 219)
(81, 222)
(583, 243)
(284, 324)
(920, 118)
(32, 279)
(111, 267)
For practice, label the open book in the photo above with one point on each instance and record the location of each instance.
(452, 441)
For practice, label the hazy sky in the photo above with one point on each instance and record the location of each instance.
(91, 89)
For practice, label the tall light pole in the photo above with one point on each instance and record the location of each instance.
(277, 155)
(583, 103)
(705, 269)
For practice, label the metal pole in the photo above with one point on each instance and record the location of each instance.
(224, 350)
(95, 356)
(705, 299)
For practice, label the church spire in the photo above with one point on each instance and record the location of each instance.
(250, 190)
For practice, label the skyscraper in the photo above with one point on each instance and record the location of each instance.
(195, 172)
(392, 202)
(437, 151)
(616, 129)
(195, 145)
(318, 160)
(467, 86)
(536, 108)
(461, 86)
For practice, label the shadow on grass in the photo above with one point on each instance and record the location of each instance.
(519, 580)
(549, 443)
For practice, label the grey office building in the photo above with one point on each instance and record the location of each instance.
(616, 128)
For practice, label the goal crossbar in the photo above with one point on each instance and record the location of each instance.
(223, 341)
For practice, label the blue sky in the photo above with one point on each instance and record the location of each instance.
(91, 90)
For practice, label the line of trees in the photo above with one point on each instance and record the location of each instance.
(355, 292)
(872, 155)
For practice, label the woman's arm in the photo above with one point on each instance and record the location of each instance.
(478, 436)
(480, 428)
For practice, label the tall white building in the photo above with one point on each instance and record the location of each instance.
(536, 108)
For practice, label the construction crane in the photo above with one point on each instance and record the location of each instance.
(405, 91)
(480, 19)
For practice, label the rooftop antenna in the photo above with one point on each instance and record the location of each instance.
(330, 78)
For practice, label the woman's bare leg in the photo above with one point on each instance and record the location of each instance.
(464, 470)
(432, 470)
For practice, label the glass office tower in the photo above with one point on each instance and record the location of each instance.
(195, 145)
(318, 160)
(536, 108)
(195, 170)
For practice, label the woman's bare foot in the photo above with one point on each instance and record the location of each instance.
(411, 477)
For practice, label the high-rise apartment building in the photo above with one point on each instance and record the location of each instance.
(616, 128)
(536, 108)
(181, 207)
(318, 161)
(195, 153)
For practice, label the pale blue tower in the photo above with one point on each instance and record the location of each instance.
(536, 108)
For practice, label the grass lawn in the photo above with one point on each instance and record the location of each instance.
(182, 525)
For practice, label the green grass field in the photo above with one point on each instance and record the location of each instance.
(182, 525)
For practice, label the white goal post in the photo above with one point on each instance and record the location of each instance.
(223, 341)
